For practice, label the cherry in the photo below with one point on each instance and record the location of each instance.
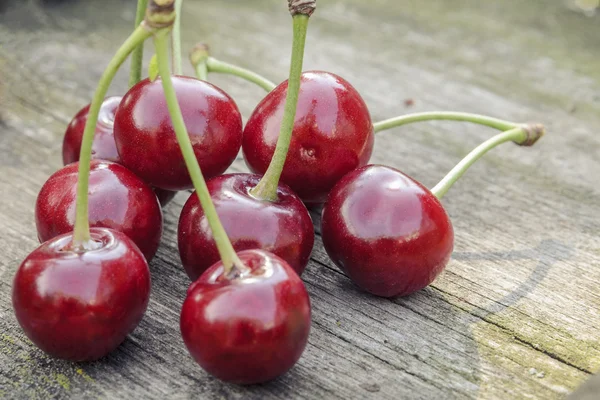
(103, 146)
(390, 234)
(283, 227)
(79, 304)
(247, 318)
(146, 139)
(250, 327)
(118, 200)
(333, 134)
(78, 295)
(386, 231)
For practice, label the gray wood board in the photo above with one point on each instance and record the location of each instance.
(515, 314)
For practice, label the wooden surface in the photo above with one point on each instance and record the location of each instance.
(515, 314)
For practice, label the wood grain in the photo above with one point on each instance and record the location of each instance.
(515, 314)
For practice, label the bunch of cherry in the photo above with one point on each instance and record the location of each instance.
(244, 239)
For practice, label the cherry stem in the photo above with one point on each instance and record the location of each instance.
(135, 73)
(444, 115)
(203, 64)
(202, 72)
(214, 65)
(524, 135)
(177, 65)
(231, 262)
(266, 188)
(198, 57)
(81, 234)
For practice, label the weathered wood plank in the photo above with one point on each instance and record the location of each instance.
(516, 313)
(588, 391)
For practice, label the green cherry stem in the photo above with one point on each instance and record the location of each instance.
(177, 65)
(266, 189)
(137, 56)
(525, 135)
(81, 234)
(214, 65)
(203, 64)
(198, 58)
(444, 115)
(231, 262)
(202, 72)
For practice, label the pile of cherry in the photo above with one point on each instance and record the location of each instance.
(244, 239)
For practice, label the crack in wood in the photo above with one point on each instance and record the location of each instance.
(515, 336)
(384, 361)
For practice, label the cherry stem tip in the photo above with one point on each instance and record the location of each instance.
(304, 7)
(534, 132)
(199, 54)
(160, 13)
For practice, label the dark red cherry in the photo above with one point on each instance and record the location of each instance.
(386, 231)
(146, 139)
(333, 134)
(283, 227)
(118, 199)
(104, 146)
(80, 305)
(250, 328)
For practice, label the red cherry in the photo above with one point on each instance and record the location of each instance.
(386, 231)
(104, 146)
(80, 305)
(118, 199)
(333, 134)
(250, 328)
(283, 227)
(146, 139)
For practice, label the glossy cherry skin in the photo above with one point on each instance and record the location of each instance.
(386, 231)
(251, 328)
(283, 227)
(104, 146)
(80, 305)
(118, 199)
(146, 140)
(333, 134)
